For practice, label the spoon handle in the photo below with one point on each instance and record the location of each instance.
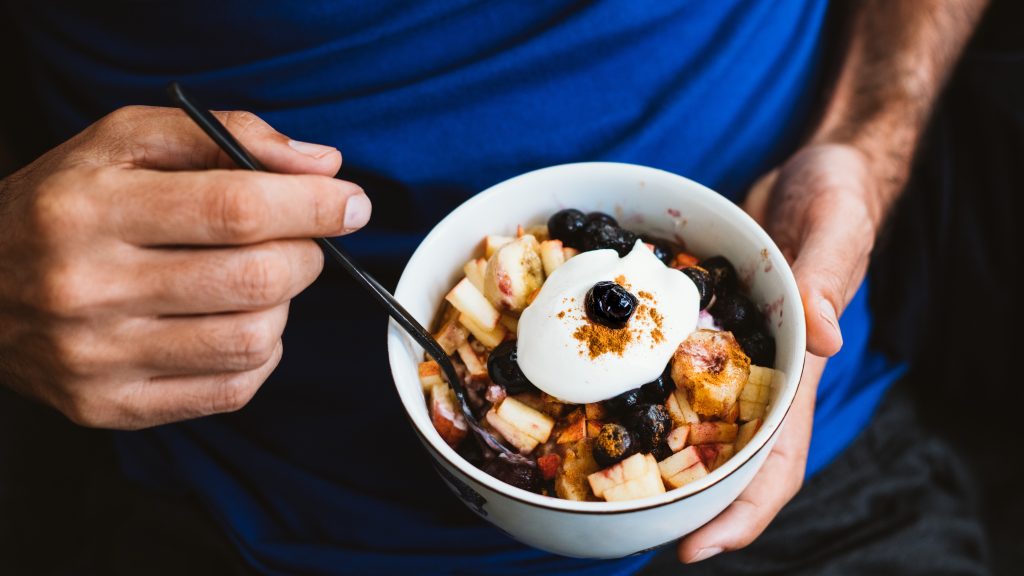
(241, 156)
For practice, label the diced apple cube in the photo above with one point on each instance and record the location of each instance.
(751, 410)
(511, 323)
(553, 406)
(569, 252)
(451, 335)
(712, 432)
(475, 273)
(430, 374)
(490, 338)
(714, 455)
(551, 255)
(596, 411)
(516, 437)
(676, 439)
(724, 454)
(678, 462)
(571, 479)
(574, 429)
(473, 364)
(754, 393)
(682, 407)
(649, 484)
(493, 243)
(548, 465)
(536, 424)
(513, 274)
(631, 468)
(746, 432)
(538, 231)
(473, 303)
(763, 377)
(695, 472)
(446, 416)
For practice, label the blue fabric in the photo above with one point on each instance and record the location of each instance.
(430, 102)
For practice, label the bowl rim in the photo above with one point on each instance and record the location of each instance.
(397, 337)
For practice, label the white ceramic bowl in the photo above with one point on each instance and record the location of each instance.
(643, 199)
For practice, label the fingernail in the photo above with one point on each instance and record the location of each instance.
(828, 313)
(705, 553)
(357, 212)
(310, 149)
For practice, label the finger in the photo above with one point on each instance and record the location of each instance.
(189, 281)
(167, 139)
(162, 400)
(216, 344)
(220, 207)
(830, 266)
(775, 484)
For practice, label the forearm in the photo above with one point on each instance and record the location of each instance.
(899, 54)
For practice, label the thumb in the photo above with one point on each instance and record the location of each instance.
(830, 265)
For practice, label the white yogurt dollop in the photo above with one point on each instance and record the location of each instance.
(554, 344)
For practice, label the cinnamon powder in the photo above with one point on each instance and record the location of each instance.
(600, 339)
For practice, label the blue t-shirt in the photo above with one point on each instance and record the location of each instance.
(430, 102)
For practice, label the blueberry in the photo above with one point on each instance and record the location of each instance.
(736, 313)
(650, 424)
(658, 390)
(613, 443)
(521, 474)
(662, 451)
(625, 242)
(602, 217)
(760, 346)
(625, 401)
(662, 248)
(723, 274)
(705, 286)
(503, 368)
(567, 226)
(609, 304)
(598, 235)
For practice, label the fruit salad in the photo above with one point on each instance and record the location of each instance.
(620, 365)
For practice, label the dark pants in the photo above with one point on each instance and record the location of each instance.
(897, 501)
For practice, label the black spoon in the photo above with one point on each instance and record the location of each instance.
(234, 149)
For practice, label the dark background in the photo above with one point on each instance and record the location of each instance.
(945, 294)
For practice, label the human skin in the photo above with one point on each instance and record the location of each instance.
(142, 283)
(824, 207)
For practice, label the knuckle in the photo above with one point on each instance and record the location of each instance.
(238, 212)
(328, 207)
(255, 341)
(234, 393)
(75, 354)
(84, 410)
(63, 209)
(241, 121)
(263, 278)
(63, 292)
(122, 120)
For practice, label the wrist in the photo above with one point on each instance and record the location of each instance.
(885, 152)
